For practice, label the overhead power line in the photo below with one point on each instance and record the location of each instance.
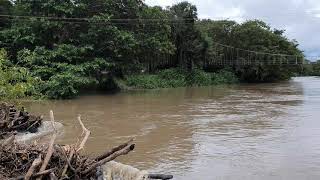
(88, 19)
(119, 21)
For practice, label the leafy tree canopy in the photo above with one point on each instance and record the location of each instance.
(84, 44)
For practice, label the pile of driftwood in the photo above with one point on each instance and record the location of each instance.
(52, 161)
(13, 120)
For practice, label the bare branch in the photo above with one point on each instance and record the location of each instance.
(68, 159)
(53, 176)
(8, 141)
(50, 147)
(113, 150)
(86, 135)
(123, 151)
(35, 164)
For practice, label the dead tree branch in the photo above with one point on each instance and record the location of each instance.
(113, 156)
(50, 148)
(35, 164)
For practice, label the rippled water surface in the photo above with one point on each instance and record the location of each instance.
(264, 131)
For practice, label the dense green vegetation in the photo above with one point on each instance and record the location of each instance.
(311, 69)
(61, 48)
(16, 82)
(257, 36)
(171, 78)
(316, 69)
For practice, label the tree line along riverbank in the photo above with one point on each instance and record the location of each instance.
(58, 49)
(311, 69)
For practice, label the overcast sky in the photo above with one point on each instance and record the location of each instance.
(300, 18)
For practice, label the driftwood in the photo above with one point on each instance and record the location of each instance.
(34, 165)
(50, 147)
(19, 161)
(35, 175)
(113, 150)
(13, 120)
(113, 156)
(53, 161)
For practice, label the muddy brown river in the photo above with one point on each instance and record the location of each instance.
(247, 131)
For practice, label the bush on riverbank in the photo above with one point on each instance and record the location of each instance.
(16, 82)
(311, 69)
(64, 70)
(171, 78)
(265, 74)
(316, 69)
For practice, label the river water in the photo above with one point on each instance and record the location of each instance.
(248, 131)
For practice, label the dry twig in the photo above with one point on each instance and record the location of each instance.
(35, 164)
(50, 148)
(113, 156)
(86, 133)
(113, 150)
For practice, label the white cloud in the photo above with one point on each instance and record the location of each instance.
(301, 18)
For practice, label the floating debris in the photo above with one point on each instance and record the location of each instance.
(53, 161)
(13, 120)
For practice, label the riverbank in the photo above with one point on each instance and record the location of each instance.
(22, 83)
(19, 81)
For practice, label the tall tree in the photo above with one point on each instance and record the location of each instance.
(187, 36)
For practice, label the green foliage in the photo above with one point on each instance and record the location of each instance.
(59, 58)
(65, 85)
(310, 69)
(189, 41)
(65, 70)
(178, 78)
(224, 77)
(164, 79)
(262, 73)
(172, 78)
(144, 82)
(198, 78)
(16, 82)
(316, 69)
(254, 35)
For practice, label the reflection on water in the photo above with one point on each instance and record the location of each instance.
(265, 131)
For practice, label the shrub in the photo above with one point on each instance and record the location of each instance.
(224, 77)
(144, 81)
(178, 78)
(64, 70)
(65, 86)
(171, 78)
(16, 82)
(198, 78)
